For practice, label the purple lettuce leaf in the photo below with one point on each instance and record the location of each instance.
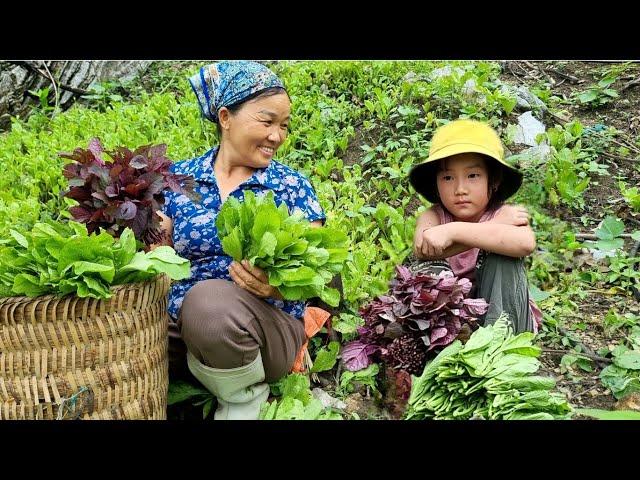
(475, 306)
(125, 192)
(356, 355)
(429, 308)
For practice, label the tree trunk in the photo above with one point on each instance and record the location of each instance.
(72, 78)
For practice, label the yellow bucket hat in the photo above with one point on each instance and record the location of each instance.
(463, 136)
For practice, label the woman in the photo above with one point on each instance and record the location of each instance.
(239, 332)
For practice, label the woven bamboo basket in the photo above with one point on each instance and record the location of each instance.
(71, 357)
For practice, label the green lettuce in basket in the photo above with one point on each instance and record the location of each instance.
(63, 258)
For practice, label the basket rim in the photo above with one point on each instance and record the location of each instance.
(113, 289)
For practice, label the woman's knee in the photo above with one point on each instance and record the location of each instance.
(209, 318)
(206, 299)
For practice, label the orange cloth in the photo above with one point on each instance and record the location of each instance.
(314, 318)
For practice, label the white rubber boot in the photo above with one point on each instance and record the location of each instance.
(240, 391)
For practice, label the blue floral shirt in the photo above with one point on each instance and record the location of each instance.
(194, 232)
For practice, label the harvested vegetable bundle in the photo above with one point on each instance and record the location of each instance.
(622, 377)
(296, 402)
(420, 312)
(489, 377)
(126, 192)
(63, 258)
(299, 259)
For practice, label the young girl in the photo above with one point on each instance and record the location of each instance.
(467, 180)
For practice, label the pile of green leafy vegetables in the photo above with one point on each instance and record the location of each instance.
(63, 258)
(490, 377)
(299, 259)
(622, 377)
(296, 402)
(125, 192)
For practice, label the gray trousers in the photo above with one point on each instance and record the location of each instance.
(501, 281)
(224, 326)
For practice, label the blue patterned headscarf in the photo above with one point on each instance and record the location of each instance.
(225, 83)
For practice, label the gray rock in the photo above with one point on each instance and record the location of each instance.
(532, 156)
(469, 87)
(327, 400)
(540, 152)
(527, 129)
(525, 100)
(445, 72)
(410, 77)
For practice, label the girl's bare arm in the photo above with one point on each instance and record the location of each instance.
(427, 220)
(508, 233)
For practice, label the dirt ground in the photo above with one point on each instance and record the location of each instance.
(601, 198)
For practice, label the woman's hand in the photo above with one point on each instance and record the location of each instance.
(253, 279)
(515, 215)
(166, 230)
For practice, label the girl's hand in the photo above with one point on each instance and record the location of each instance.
(433, 242)
(253, 279)
(516, 215)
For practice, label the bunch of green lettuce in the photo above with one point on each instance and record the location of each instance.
(299, 259)
(489, 377)
(62, 258)
(622, 377)
(297, 402)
